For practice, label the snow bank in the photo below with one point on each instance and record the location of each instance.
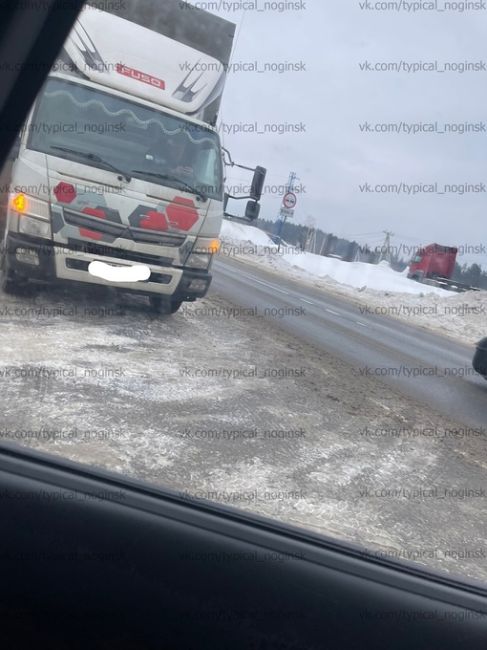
(376, 287)
(379, 277)
(232, 231)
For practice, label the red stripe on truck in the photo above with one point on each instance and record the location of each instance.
(92, 234)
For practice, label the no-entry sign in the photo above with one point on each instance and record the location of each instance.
(289, 200)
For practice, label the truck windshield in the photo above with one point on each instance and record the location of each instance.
(123, 134)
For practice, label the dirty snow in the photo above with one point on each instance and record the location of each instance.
(174, 401)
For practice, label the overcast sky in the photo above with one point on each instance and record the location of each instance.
(332, 96)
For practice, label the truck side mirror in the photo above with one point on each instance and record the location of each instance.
(257, 183)
(252, 210)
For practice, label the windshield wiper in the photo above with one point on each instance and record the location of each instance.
(169, 177)
(95, 158)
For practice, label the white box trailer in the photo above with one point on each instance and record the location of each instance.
(119, 165)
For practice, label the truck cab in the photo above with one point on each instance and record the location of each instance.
(432, 261)
(119, 164)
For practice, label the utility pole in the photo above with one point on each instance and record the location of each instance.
(311, 240)
(385, 253)
(281, 217)
(310, 229)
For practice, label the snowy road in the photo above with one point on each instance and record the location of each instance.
(421, 364)
(220, 403)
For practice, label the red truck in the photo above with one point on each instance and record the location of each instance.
(434, 264)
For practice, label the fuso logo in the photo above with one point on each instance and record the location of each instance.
(140, 76)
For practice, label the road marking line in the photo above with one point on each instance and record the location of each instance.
(308, 301)
(359, 323)
(272, 287)
(332, 312)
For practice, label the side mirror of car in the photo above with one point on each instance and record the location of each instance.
(479, 361)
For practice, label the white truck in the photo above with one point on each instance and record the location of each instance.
(120, 162)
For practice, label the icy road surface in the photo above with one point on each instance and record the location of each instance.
(220, 404)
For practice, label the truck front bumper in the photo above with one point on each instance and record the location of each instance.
(40, 260)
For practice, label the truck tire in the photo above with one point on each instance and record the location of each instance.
(164, 306)
(9, 281)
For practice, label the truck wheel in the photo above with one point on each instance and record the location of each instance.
(9, 282)
(163, 305)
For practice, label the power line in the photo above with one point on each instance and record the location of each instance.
(385, 253)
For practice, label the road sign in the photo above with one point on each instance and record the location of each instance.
(287, 212)
(289, 200)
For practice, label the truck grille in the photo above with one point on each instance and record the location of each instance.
(118, 230)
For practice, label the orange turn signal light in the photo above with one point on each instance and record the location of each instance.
(214, 246)
(19, 203)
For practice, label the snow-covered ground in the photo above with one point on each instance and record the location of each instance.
(238, 411)
(376, 288)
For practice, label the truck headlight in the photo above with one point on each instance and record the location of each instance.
(33, 214)
(199, 260)
(35, 227)
(207, 245)
(25, 204)
(204, 249)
